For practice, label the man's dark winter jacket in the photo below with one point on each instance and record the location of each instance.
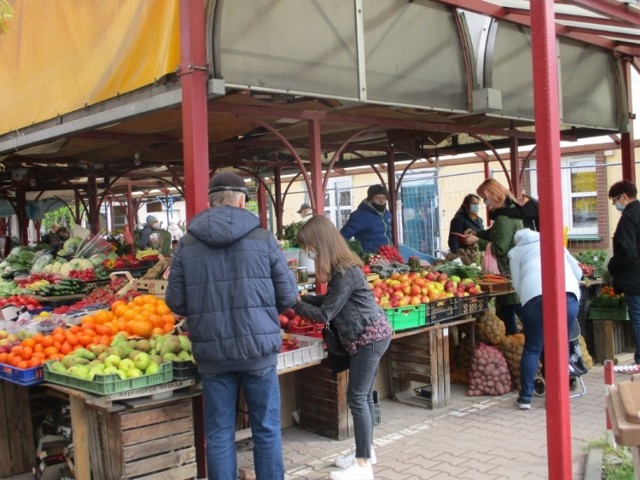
(230, 279)
(460, 223)
(370, 227)
(624, 265)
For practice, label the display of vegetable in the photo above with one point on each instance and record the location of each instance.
(594, 259)
(511, 348)
(390, 253)
(472, 271)
(488, 374)
(607, 298)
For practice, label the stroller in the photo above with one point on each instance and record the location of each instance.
(577, 367)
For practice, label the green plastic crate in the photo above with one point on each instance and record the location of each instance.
(620, 313)
(108, 384)
(404, 318)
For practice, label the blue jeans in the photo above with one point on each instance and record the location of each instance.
(362, 375)
(531, 313)
(262, 394)
(507, 313)
(633, 304)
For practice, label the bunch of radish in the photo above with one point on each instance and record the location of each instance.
(489, 374)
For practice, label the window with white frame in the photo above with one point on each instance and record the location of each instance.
(337, 200)
(579, 194)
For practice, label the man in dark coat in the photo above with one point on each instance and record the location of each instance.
(231, 280)
(370, 223)
(624, 265)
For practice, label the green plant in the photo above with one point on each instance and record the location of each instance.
(617, 463)
(594, 258)
(289, 233)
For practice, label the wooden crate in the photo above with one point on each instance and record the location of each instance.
(323, 401)
(145, 444)
(17, 449)
(154, 287)
(610, 338)
(419, 369)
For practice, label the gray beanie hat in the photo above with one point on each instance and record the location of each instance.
(151, 219)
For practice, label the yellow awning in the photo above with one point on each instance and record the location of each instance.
(61, 55)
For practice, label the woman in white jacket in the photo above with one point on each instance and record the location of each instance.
(526, 274)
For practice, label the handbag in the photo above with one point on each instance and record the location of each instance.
(332, 340)
(489, 261)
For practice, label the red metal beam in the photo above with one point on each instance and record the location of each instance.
(611, 9)
(556, 343)
(193, 79)
(279, 112)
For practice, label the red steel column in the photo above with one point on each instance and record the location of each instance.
(556, 344)
(626, 139)
(195, 137)
(279, 210)
(262, 205)
(391, 188)
(317, 192)
(21, 213)
(193, 79)
(516, 185)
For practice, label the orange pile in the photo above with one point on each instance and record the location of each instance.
(36, 350)
(143, 316)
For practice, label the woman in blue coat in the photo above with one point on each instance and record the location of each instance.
(370, 224)
(465, 219)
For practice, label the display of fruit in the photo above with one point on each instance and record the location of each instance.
(21, 301)
(289, 343)
(390, 253)
(402, 289)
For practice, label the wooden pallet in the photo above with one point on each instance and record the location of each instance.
(148, 444)
(17, 451)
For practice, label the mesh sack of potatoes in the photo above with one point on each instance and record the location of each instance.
(461, 358)
(511, 347)
(489, 328)
(586, 357)
(488, 374)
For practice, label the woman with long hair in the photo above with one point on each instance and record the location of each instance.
(506, 214)
(361, 325)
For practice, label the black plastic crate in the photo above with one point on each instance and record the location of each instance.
(473, 304)
(442, 310)
(184, 369)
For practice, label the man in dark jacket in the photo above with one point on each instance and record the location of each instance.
(370, 224)
(624, 265)
(230, 279)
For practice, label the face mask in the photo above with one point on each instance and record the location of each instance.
(474, 208)
(380, 208)
(620, 207)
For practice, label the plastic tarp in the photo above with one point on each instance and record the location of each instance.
(60, 55)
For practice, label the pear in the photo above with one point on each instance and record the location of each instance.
(157, 359)
(152, 369)
(58, 367)
(143, 346)
(185, 343)
(134, 373)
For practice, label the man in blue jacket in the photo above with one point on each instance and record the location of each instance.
(370, 224)
(230, 279)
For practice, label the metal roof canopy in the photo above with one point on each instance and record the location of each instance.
(374, 81)
(429, 77)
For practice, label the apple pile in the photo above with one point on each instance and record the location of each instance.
(289, 343)
(8, 341)
(126, 358)
(402, 289)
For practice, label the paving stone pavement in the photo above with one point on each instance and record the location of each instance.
(473, 438)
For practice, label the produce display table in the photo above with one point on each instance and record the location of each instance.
(110, 435)
(17, 450)
(422, 356)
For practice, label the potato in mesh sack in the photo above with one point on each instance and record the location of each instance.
(461, 358)
(511, 347)
(489, 328)
(489, 374)
(586, 357)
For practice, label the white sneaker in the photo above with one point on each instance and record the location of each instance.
(353, 472)
(344, 461)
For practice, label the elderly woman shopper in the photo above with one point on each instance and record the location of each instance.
(361, 325)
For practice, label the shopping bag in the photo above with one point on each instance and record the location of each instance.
(489, 261)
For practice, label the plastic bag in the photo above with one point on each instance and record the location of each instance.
(489, 261)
